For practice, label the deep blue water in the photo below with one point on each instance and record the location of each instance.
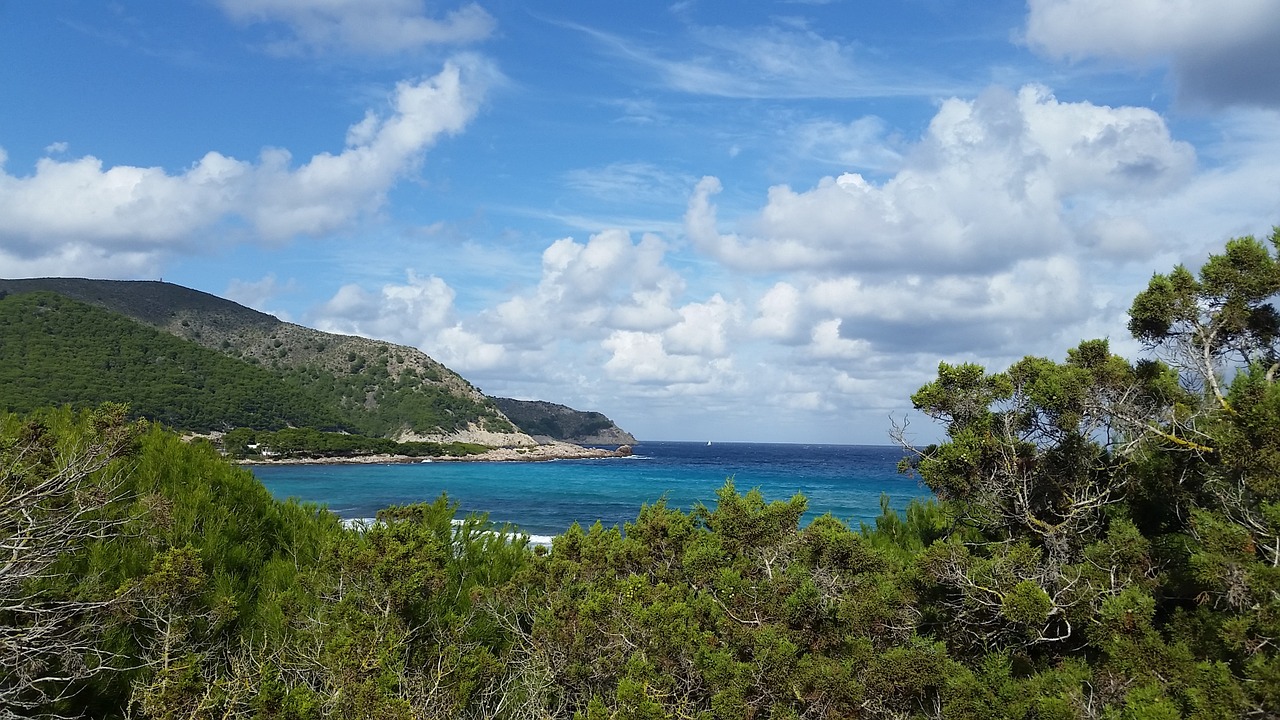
(545, 498)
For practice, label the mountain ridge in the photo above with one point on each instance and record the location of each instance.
(382, 378)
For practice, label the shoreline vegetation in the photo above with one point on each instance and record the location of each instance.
(316, 447)
(536, 453)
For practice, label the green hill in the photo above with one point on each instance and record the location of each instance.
(202, 363)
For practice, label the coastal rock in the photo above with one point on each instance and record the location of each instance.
(473, 434)
(535, 453)
(546, 451)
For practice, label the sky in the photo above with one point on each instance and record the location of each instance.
(755, 221)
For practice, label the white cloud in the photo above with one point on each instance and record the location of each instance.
(375, 27)
(131, 208)
(778, 314)
(419, 313)
(608, 308)
(79, 203)
(1143, 29)
(1014, 223)
(79, 259)
(466, 351)
(607, 282)
(642, 358)
(992, 182)
(1235, 195)
(330, 190)
(829, 345)
(607, 261)
(704, 328)
(1221, 52)
(409, 314)
(997, 312)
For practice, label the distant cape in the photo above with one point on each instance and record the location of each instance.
(551, 421)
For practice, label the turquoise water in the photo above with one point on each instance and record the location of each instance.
(546, 498)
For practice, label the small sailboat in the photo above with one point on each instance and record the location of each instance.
(708, 443)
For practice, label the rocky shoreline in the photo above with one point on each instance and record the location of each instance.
(536, 453)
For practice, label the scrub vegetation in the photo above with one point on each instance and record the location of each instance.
(1104, 543)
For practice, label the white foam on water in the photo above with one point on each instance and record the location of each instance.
(543, 540)
(363, 524)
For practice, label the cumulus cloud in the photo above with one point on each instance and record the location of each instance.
(79, 259)
(1012, 225)
(950, 313)
(420, 313)
(607, 308)
(642, 358)
(374, 27)
(329, 190)
(125, 208)
(619, 296)
(466, 351)
(704, 328)
(828, 344)
(991, 183)
(1220, 52)
(407, 313)
(608, 281)
(78, 208)
(778, 314)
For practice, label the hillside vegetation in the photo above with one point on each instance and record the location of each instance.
(558, 422)
(214, 365)
(1104, 544)
(58, 351)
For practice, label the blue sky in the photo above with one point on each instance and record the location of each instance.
(761, 221)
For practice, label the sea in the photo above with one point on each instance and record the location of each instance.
(543, 499)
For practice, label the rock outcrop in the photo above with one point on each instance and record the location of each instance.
(473, 434)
